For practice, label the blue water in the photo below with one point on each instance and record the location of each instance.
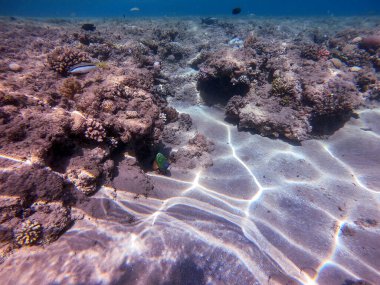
(119, 8)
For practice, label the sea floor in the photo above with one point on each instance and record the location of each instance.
(264, 211)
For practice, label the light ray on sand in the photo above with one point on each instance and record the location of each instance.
(350, 170)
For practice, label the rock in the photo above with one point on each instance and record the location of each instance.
(336, 62)
(14, 67)
(370, 42)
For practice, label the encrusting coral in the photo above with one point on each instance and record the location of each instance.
(29, 233)
(61, 59)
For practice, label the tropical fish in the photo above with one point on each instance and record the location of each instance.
(82, 68)
(209, 21)
(88, 27)
(162, 162)
(236, 10)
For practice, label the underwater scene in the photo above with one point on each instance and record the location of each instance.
(148, 142)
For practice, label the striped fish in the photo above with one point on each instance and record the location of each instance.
(82, 68)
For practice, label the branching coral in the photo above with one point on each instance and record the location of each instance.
(62, 58)
(70, 87)
(95, 130)
(29, 233)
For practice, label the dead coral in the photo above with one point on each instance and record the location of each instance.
(29, 233)
(70, 87)
(61, 59)
(95, 130)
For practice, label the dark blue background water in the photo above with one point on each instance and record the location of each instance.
(118, 8)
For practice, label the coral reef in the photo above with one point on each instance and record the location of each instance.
(280, 92)
(62, 58)
(65, 138)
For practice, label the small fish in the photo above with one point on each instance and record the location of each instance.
(88, 27)
(162, 162)
(236, 11)
(209, 21)
(135, 9)
(82, 68)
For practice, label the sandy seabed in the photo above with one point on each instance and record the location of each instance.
(252, 198)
